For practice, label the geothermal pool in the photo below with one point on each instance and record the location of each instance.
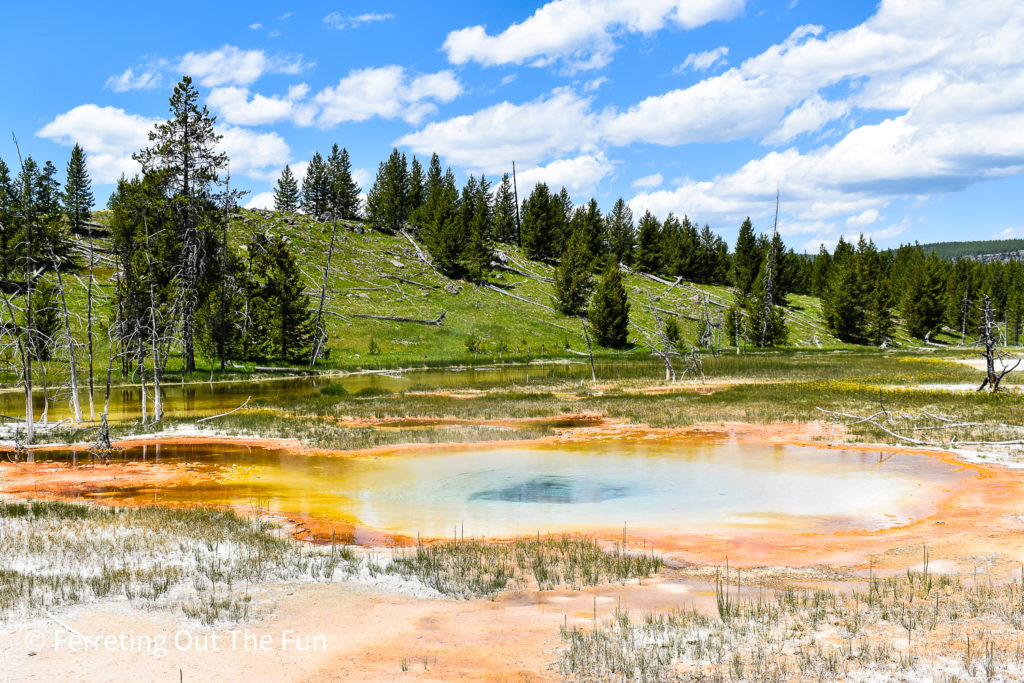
(657, 487)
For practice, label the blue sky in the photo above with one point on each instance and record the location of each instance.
(903, 120)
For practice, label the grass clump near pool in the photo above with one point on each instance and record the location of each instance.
(910, 627)
(461, 568)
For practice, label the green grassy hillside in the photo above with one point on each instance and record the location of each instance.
(511, 315)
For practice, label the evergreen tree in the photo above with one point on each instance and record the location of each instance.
(692, 258)
(747, 260)
(922, 298)
(820, 272)
(387, 203)
(281, 303)
(593, 231)
(715, 254)
(476, 253)
(78, 197)
(561, 214)
(417, 182)
(8, 213)
(344, 190)
(573, 281)
(879, 316)
(620, 233)
(316, 187)
(672, 249)
(540, 216)
(609, 310)
(505, 212)
(286, 194)
(184, 150)
(647, 257)
(442, 228)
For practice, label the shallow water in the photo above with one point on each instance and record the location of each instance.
(199, 399)
(653, 487)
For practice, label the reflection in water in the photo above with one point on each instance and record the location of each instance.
(552, 490)
(661, 487)
(207, 398)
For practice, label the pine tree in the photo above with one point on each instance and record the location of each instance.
(747, 259)
(284, 305)
(505, 212)
(344, 190)
(609, 310)
(573, 281)
(715, 253)
(647, 257)
(879, 315)
(286, 194)
(184, 150)
(922, 298)
(417, 181)
(8, 211)
(766, 325)
(442, 229)
(541, 215)
(78, 198)
(820, 272)
(672, 247)
(316, 187)
(387, 202)
(620, 232)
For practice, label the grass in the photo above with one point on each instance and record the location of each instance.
(363, 282)
(474, 568)
(205, 563)
(912, 626)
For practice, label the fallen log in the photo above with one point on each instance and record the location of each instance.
(400, 319)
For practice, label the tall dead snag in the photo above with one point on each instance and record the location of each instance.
(69, 342)
(319, 329)
(88, 324)
(667, 347)
(988, 339)
(590, 350)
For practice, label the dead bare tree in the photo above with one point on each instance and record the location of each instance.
(319, 328)
(590, 350)
(988, 339)
(69, 343)
(667, 347)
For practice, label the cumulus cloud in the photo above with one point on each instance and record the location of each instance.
(230, 65)
(529, 133)
(581, 33)
(337, 20)
(862, 219)
(234, 105)
(136, 78)
(388, 92)
(253, 154)
(702, 61)
(579, 175)
(263, 200)
(109, 135)
(649, 181)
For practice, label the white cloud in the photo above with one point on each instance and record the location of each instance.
(862, 219)
(649, 181)
(387, 92)
(492, 138)
(580, 32)
(594, 84)
(234, 105)
(702, 61)
(135, 78)
(263, 200)
(109, 135)
(363, 177)
(339, 21)
(255, 27)
(230, 65)
(580, 175)
(251, 153)
(808, 118)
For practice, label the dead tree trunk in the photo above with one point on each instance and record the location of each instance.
(158, 411)
(319, 332)
(988, 339)
(88, 326)
(590, 350)
(76, 407)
